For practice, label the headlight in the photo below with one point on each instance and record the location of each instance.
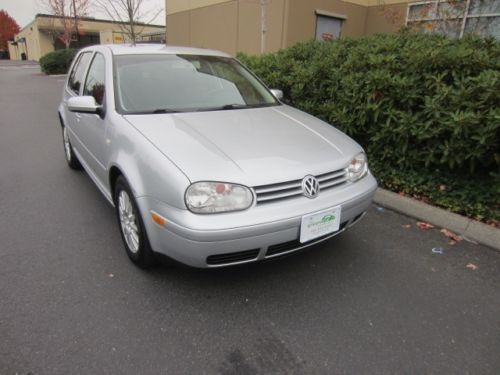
(357, 167)
(212, 197)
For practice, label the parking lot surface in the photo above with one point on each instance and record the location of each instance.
(374, 300)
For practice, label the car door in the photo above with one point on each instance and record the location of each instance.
(91, 127)
(73, 88)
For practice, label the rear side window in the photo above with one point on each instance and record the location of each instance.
(76, 76)
(94, 85)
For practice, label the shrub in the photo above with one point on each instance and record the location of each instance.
(57, 62)
(425, 108)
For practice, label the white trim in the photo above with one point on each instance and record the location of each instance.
(454, 18)
(422, 2)
(464, 21)
(483, 15)
(435, 19)
(320, 12)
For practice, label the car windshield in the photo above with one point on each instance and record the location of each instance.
(185, 83)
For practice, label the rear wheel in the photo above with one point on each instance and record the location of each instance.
(71, 158)
(132, 228)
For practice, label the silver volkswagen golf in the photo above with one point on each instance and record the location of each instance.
(202, 162)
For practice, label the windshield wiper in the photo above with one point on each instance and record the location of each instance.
(165, 110)
(237, 106)
(155, 111)
(233, 106)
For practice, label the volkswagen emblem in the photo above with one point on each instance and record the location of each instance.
(310, 186)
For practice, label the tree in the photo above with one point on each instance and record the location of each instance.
(131, 15)
(68, 11)
(8, 28)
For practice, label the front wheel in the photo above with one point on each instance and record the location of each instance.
(71, 158)
(132, 228)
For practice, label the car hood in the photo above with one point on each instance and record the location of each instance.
(253, 147)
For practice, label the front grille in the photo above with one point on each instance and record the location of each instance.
(290, 189)
(296, 244)
(239, 256)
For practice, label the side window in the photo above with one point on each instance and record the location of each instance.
(94, 85)
(76, 77)
(73, 71)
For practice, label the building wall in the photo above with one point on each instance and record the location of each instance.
(179, 29)
(235, 25)
(30, 46)
(215, 27)
(14, 53)
(46, 44)
(387, 18)
(376, 16)
(249, 26)
(302, 18)
(229, 26)
(39, 39)
(176, 6)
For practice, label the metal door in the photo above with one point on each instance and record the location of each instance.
(328, 28)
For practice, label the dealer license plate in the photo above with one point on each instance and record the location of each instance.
(319, 224)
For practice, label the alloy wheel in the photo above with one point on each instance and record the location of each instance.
(128, 221)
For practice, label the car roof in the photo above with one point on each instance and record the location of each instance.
(146, 49)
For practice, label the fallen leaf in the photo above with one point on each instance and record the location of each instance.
(407, 226)
(424, 226)
(453, 236)
(473, 267)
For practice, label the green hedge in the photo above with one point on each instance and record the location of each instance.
(57, 62)
(425, 107)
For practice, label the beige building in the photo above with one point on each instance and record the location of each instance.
(267, 25)
(256, 26)
(41, 36)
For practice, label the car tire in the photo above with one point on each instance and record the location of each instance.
(69, 154)
(132, 228)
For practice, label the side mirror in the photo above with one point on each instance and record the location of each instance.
(278, 94)
(83, 104)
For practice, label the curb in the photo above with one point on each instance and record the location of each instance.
(471, 229)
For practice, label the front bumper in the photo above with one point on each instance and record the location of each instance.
(258, 233)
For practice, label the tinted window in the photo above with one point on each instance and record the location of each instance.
(94, 85)
(151, 83)
(76, 77)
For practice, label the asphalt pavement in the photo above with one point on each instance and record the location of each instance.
(374, 300)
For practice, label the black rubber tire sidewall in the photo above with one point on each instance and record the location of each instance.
(144, 257)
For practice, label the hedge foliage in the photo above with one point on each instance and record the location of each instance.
(425, 107)
(57, 62)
